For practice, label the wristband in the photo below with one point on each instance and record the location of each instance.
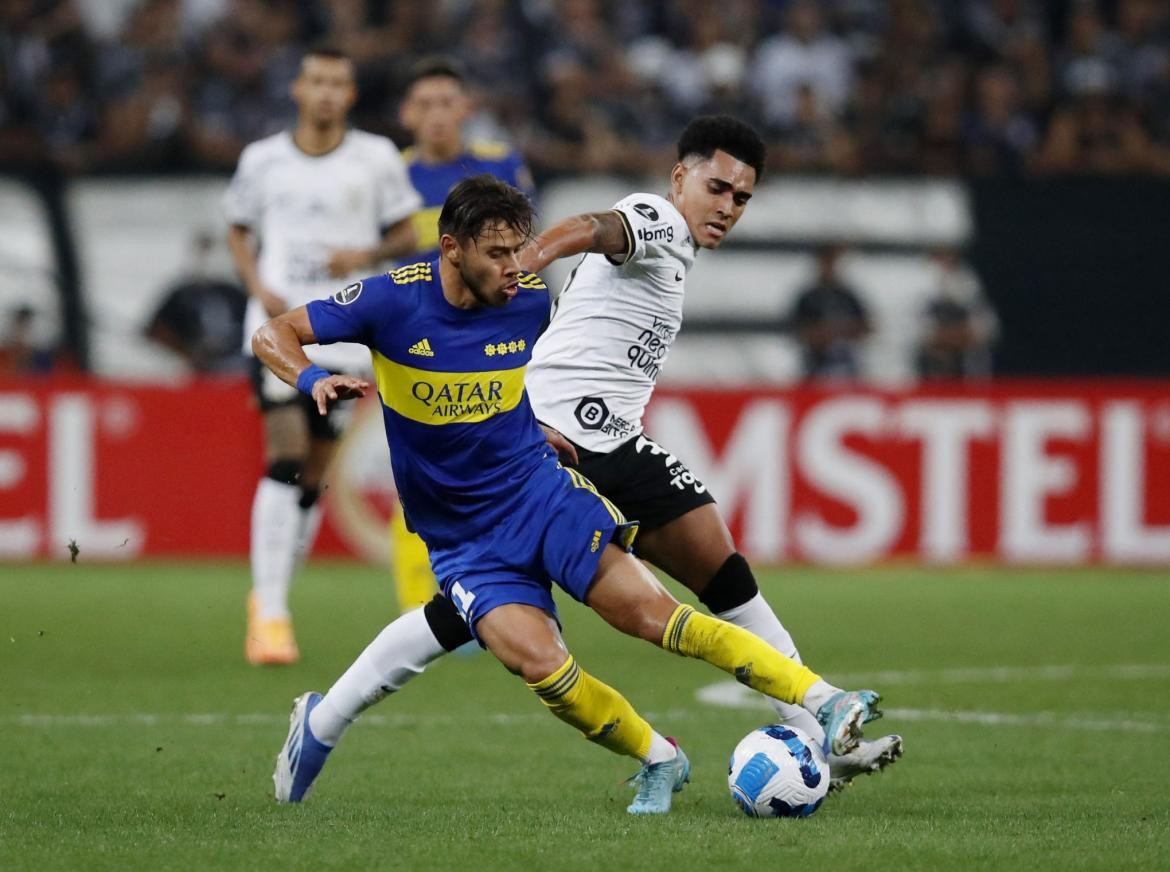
(309, 376)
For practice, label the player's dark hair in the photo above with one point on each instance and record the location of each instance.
(329, 50)
(482, 202)
(710, 133)
(433, 66)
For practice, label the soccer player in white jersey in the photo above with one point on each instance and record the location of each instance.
(590, 378)
(306, 209)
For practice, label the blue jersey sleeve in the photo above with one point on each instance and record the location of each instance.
(356, 312)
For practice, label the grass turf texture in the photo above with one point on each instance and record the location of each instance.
(464, 770)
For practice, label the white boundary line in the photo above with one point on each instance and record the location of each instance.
(731, 694)
(723, 694)
(1001, 674)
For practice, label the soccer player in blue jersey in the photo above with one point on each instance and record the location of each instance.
(503, 519)
(434, 109)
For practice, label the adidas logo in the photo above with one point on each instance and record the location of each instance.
(422, 348)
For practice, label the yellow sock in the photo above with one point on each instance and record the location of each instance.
(734, 650)
(601, 713)
(413, 578)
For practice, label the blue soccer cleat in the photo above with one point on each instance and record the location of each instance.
(842, 717)
(301, 758)
(657, 781)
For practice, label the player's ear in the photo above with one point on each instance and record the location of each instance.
(678, 176)
(449, 248)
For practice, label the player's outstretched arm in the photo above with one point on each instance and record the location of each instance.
(277, 344)
(596, 232)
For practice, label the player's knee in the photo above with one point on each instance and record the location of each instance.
(537, 665)
(286, 471)
(447, 625)
(731, 586)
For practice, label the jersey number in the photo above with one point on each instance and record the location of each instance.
(463, 599)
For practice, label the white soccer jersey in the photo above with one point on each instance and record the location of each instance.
(592, 372)
(301, 207)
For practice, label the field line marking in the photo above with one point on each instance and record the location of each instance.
(1001, 674)
(732, 694)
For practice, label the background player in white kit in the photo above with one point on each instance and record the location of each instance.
(305, 209)
(590, 377)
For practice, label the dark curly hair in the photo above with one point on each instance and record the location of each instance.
(707, 134)
(482, 202)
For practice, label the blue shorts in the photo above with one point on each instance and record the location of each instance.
(556, 534)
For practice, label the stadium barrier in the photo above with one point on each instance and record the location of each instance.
(1060, 472)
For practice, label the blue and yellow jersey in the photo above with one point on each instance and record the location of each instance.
(434, 181)
(463, 438)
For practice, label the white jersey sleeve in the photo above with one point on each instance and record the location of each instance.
(594, 369)
(397, 198)
(652, 232)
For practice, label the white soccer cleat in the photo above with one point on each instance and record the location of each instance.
(866, 758)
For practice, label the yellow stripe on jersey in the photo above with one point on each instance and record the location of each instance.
(447, 397)
(532, 282)
(582, 482)
(426, 228)
(489, 150)
(404, 275)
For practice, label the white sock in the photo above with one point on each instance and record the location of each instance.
(400, 652)
(275, 521)
(660, 749)
(757, 617)
(310, 523)
(817, 695)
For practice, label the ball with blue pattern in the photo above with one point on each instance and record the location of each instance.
(778, 771)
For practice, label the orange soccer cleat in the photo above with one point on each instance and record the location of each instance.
(269, 642)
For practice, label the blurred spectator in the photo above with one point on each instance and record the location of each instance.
(1098, 131)
(813, 141)
(998, 136)
(997, 29)
(804, 54)
(958, 324)
(1143, 54)
(830, 322)
(201, 317)
(21, 349)
(841, 86)
(1091, 53)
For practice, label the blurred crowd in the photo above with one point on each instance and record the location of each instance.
(985, 87)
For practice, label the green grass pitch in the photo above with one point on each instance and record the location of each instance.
(1035, 707)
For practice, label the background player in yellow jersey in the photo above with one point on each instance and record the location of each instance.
(435, 107)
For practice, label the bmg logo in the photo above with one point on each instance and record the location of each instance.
(591, 413)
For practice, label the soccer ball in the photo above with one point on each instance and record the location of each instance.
(778, 771)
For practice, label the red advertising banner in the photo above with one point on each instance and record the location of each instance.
(1054, 472)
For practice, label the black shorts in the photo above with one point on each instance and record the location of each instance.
(646, 482)
(272, 393)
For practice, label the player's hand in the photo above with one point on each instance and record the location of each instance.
(337, 387)
(562, 446)
(343, 261)
(273, 304)
(530, 258)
